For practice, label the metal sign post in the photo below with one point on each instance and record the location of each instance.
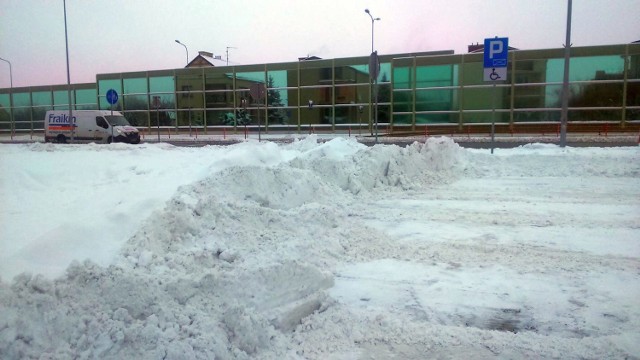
(257, 91)
(374, 70)
(156, 104)
(496, 58)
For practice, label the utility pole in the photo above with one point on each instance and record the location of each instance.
(229, 47)
(565, 82)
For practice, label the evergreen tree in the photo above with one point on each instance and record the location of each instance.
(276, 116)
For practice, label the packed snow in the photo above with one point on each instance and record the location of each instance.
(319, 250)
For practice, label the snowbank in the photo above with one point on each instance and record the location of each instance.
(319, 251)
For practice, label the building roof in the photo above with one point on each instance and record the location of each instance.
(204, 59)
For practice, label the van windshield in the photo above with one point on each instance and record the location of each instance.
(117, 120)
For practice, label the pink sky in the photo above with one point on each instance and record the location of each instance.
(122, 36)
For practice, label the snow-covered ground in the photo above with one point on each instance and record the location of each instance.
(319, 250)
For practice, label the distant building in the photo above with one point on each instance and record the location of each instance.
(204, 59)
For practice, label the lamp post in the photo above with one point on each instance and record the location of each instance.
(187, 50)
(10, 72)
(564, 115)
(373, 73)
(10, 93)
(66, 45)
(372, 22)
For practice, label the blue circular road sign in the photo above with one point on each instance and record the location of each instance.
(112, 96)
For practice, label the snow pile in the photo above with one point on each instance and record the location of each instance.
(320, 250)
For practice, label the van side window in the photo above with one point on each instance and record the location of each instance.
(100, 121)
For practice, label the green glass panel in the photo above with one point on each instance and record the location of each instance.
(21, 100)
(595, 115)
(316, 76)
(354, 94)
(61, 99)
(278, 116)
(633, 71)
(189, 82)
(633, 94)
(278, 79)
(403, 119)
(218, 81)
(632, 114)
(166, 101)
(317, 116)
(191, 118)
(384, 113)
(485, 117)
(536, 116)
(358, 74)
(319, 96)
(244, 80)
(4, 101)
(384, 76)
(277, 98)
(42, 98)
(384, 93)
(348, 114)
(472, 73)
(38, 117)
(161, 84)
(587, 68)
(553, 96)
(135, 86)
(436, 118)
(135, 102)
(531, 96)
(292, 97)
(22, 115)
(485, 98)
(86, 97)
(596, 95)
(433, 100)
(161, 117)
(402, 78)
(434, 76)
(108, 84)
(217, 117)
(402, 101)
(532, 71)
(190, 100)
(139, 119)
(219, 99)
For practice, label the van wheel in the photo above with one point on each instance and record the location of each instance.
(109, 140)
(61, 139)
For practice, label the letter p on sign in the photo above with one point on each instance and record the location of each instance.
(495, 47)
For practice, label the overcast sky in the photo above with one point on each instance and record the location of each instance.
(107, 36)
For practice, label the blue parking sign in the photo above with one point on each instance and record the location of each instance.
(496, 51)
(496, 55)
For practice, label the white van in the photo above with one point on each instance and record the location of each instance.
(103, 126)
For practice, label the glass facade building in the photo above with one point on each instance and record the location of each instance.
(413, 90)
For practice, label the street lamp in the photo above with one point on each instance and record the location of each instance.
(10, 93)
(372, 21)
(10, 72)
(373, 72)
(185, 47)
